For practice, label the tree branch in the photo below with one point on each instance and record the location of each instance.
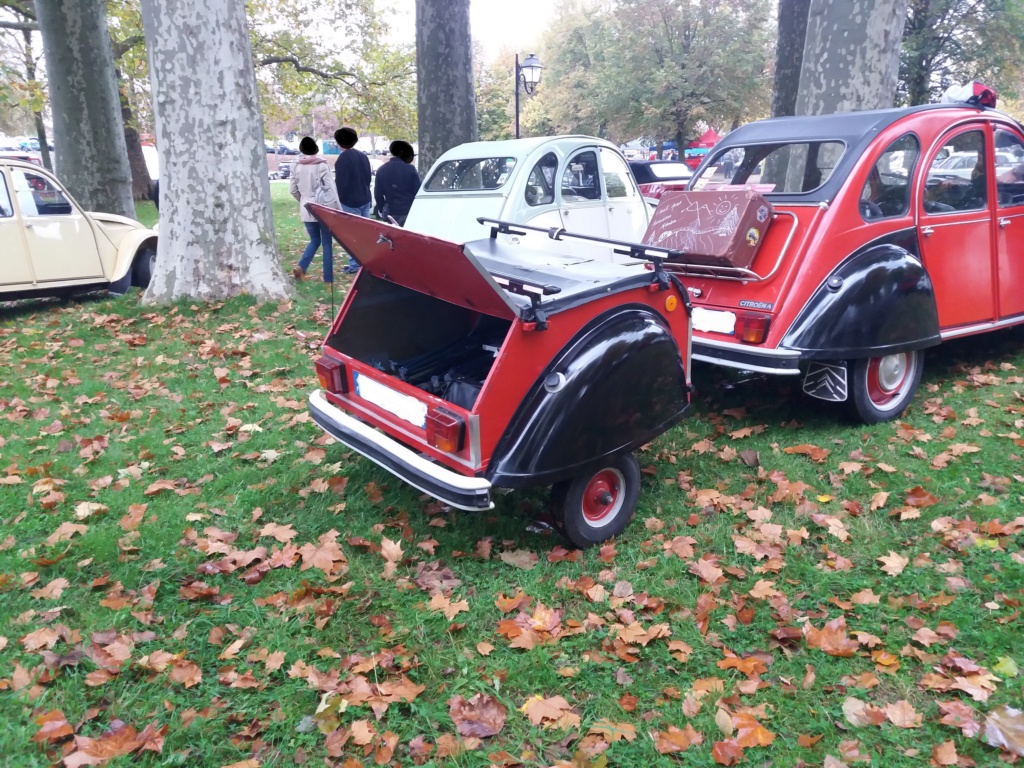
(26, 26)
(120, 48)
(300, 67)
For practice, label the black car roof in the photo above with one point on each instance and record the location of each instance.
(855, 129)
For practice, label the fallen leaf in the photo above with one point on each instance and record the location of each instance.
(945, 754)
(520, 558)
(893, 563)
(481, 716)
(1004, 728)
(613, 731)
(727, 752)
(902, 714)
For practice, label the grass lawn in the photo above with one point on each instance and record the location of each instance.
(192, 575)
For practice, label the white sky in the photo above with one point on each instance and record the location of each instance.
(495, 24)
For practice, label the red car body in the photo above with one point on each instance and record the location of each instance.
(462, 368)
(874, 254)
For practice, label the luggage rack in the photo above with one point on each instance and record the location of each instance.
(669, 259)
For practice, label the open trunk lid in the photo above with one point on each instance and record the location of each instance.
(417, 262)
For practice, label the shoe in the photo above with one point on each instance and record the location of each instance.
(350, 270)
(298, 273)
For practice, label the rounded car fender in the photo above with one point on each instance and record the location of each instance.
(879, 300)
(130, 245)
(616, 385)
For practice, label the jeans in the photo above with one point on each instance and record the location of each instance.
(361, 210)
(319, 235)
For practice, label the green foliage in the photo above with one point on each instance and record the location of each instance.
(495, 100)
(657, 68)
(948, 42)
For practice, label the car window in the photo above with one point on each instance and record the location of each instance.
(579, 180)
(617, 178)
(775, 168)
(1009, 169)
(474, 174)
(6, 206)
(540, 184)
(670, 170)
(886, 192)
(948, 190)
(37, 196)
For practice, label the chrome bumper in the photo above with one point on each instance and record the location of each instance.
(781, 362)
(470, 493)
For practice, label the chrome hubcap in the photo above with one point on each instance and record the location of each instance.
(891, 370)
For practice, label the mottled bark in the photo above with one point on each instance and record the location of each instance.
(87, 131)
(851, 55)
(444, 74)
(37, 115)
(789, 55)
(142, 184)
(216, 231)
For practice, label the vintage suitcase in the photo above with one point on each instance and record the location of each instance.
(720, 228)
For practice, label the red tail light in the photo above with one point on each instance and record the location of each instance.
(752, 327)
(331, 374)
(445, 430)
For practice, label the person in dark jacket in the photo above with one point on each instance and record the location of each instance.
(352, 177)
(397, 183)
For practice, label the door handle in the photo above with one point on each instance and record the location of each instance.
(927, 231)
(1004, 223)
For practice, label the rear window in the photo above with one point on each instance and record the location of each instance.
(670, 170)
(476, 174)
(780, 168)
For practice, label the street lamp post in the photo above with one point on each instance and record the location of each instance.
(528, 73)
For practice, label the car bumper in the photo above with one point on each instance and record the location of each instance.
(780, 362)
(469, 493)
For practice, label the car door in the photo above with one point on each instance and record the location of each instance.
(1010, 222)
(582, 203)
(955, 232)
(14, 264)
(627, 211)
(61, 244)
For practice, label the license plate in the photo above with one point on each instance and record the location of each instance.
(713, 320)
(404, 407)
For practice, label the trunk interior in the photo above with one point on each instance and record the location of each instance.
(439, 347)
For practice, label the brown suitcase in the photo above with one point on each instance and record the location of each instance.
(719, 228)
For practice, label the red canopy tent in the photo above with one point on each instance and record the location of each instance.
(696, 150)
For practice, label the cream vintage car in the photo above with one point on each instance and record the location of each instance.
(51, 247)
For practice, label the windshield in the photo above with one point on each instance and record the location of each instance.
(475, 174)
(780, 168)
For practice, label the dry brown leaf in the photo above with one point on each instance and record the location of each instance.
(894, 563)
(1004, 728)
(902, 714)
(613, 731)
(481, 716)
(520, 558)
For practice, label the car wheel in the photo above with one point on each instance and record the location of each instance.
(599, 504)
(142, 270)
(881, 388)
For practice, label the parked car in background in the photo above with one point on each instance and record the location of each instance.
(876, 250)
(51, 247)
(578, 183)
(655, 177)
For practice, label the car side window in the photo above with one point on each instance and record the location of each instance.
(1009, 169)
(540, 184)
(951, 189)
(886, 192)
(37, 196)
(617, 178)
(579, 180)
(6, 206)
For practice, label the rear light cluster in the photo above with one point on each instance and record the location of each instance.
(445, 430)
(331, 374)
(752, 327)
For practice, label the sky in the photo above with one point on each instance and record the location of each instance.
(495, 24)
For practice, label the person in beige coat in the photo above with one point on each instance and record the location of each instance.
(311, 175)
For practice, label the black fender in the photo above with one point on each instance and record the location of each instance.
(878, 301)
(618, 384)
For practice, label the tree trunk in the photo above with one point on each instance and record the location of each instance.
(37, 115)
(851, 55)
(216, 231)
(142, 184)
(87, 132)
(789, 55)
(444, 75)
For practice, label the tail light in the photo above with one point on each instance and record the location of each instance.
(752, 327)
(445, 430)
(331, 374)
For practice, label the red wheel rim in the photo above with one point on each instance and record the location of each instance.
(603, 496)
(887, 377)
